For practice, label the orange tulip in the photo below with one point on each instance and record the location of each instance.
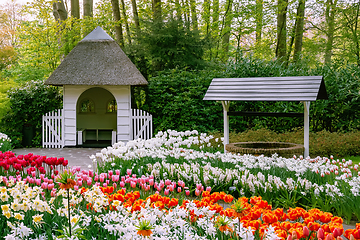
(145, 233)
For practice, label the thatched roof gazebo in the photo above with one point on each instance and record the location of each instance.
(96, 77)
(96, 60)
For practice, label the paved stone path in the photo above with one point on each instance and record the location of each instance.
(81, 157)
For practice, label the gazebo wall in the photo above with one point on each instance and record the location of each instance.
(122, 96)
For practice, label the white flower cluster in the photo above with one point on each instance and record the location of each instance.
(175, 145)
(4, 137)
(167, 225)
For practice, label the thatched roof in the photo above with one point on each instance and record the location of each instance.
(96, 60)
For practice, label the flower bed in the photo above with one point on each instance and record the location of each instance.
(175, 186)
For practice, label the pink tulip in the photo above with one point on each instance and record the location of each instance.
(198, 186)
(167, 182)
(117, 172)
(208, 189)
(107, 182)
(38, 182)
(104, 184)
(114, 185)
(51, 186)
(187, 192)
(110, 173)
(329, 237)
(53, 193)
(133, 184)
(76, 187)
(306, 231)
(321, 233)
(181, 183)
(88, 182)
(122, 184)
(151, 182)
(197, 192)
(179, 189)
(166, 192)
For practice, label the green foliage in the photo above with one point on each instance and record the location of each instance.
(4, 101)
(28, 104)
(174, 98)
(168, 45)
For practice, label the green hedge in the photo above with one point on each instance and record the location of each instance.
(175, 99)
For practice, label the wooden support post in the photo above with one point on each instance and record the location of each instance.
(226, 105)
(306, 128)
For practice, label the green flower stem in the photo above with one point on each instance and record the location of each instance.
(68, 197)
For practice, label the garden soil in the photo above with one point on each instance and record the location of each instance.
(80, 157)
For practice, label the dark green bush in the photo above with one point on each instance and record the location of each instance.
(28, 104)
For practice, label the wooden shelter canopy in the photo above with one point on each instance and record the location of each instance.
(306, 88)
(96, 60)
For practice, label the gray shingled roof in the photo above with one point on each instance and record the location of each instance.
(307, 88)
(96, 60)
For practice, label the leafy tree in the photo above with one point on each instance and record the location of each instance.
(167, 46)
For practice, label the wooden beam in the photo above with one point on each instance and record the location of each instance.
(266, 114)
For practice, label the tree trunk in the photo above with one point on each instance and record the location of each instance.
(117, 19)
(59, 10)
(178, 9)
(281, 30)
(88, 8)
(259, 20)
(193, 14)
(156, 6)
(299, 30)
(227, 29)
(215, 16)
(352, 24)
(186, 13)
(128, 34)
(136, 16)
(206, 15)
(330, 20)
(75, 9)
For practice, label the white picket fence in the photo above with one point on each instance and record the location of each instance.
(52, 129)
(141, 124)
(53, 125)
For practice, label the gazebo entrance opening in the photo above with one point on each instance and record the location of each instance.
(96, 118)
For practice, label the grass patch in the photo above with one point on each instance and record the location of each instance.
(355, 159)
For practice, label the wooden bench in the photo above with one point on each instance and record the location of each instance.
(96, 134)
